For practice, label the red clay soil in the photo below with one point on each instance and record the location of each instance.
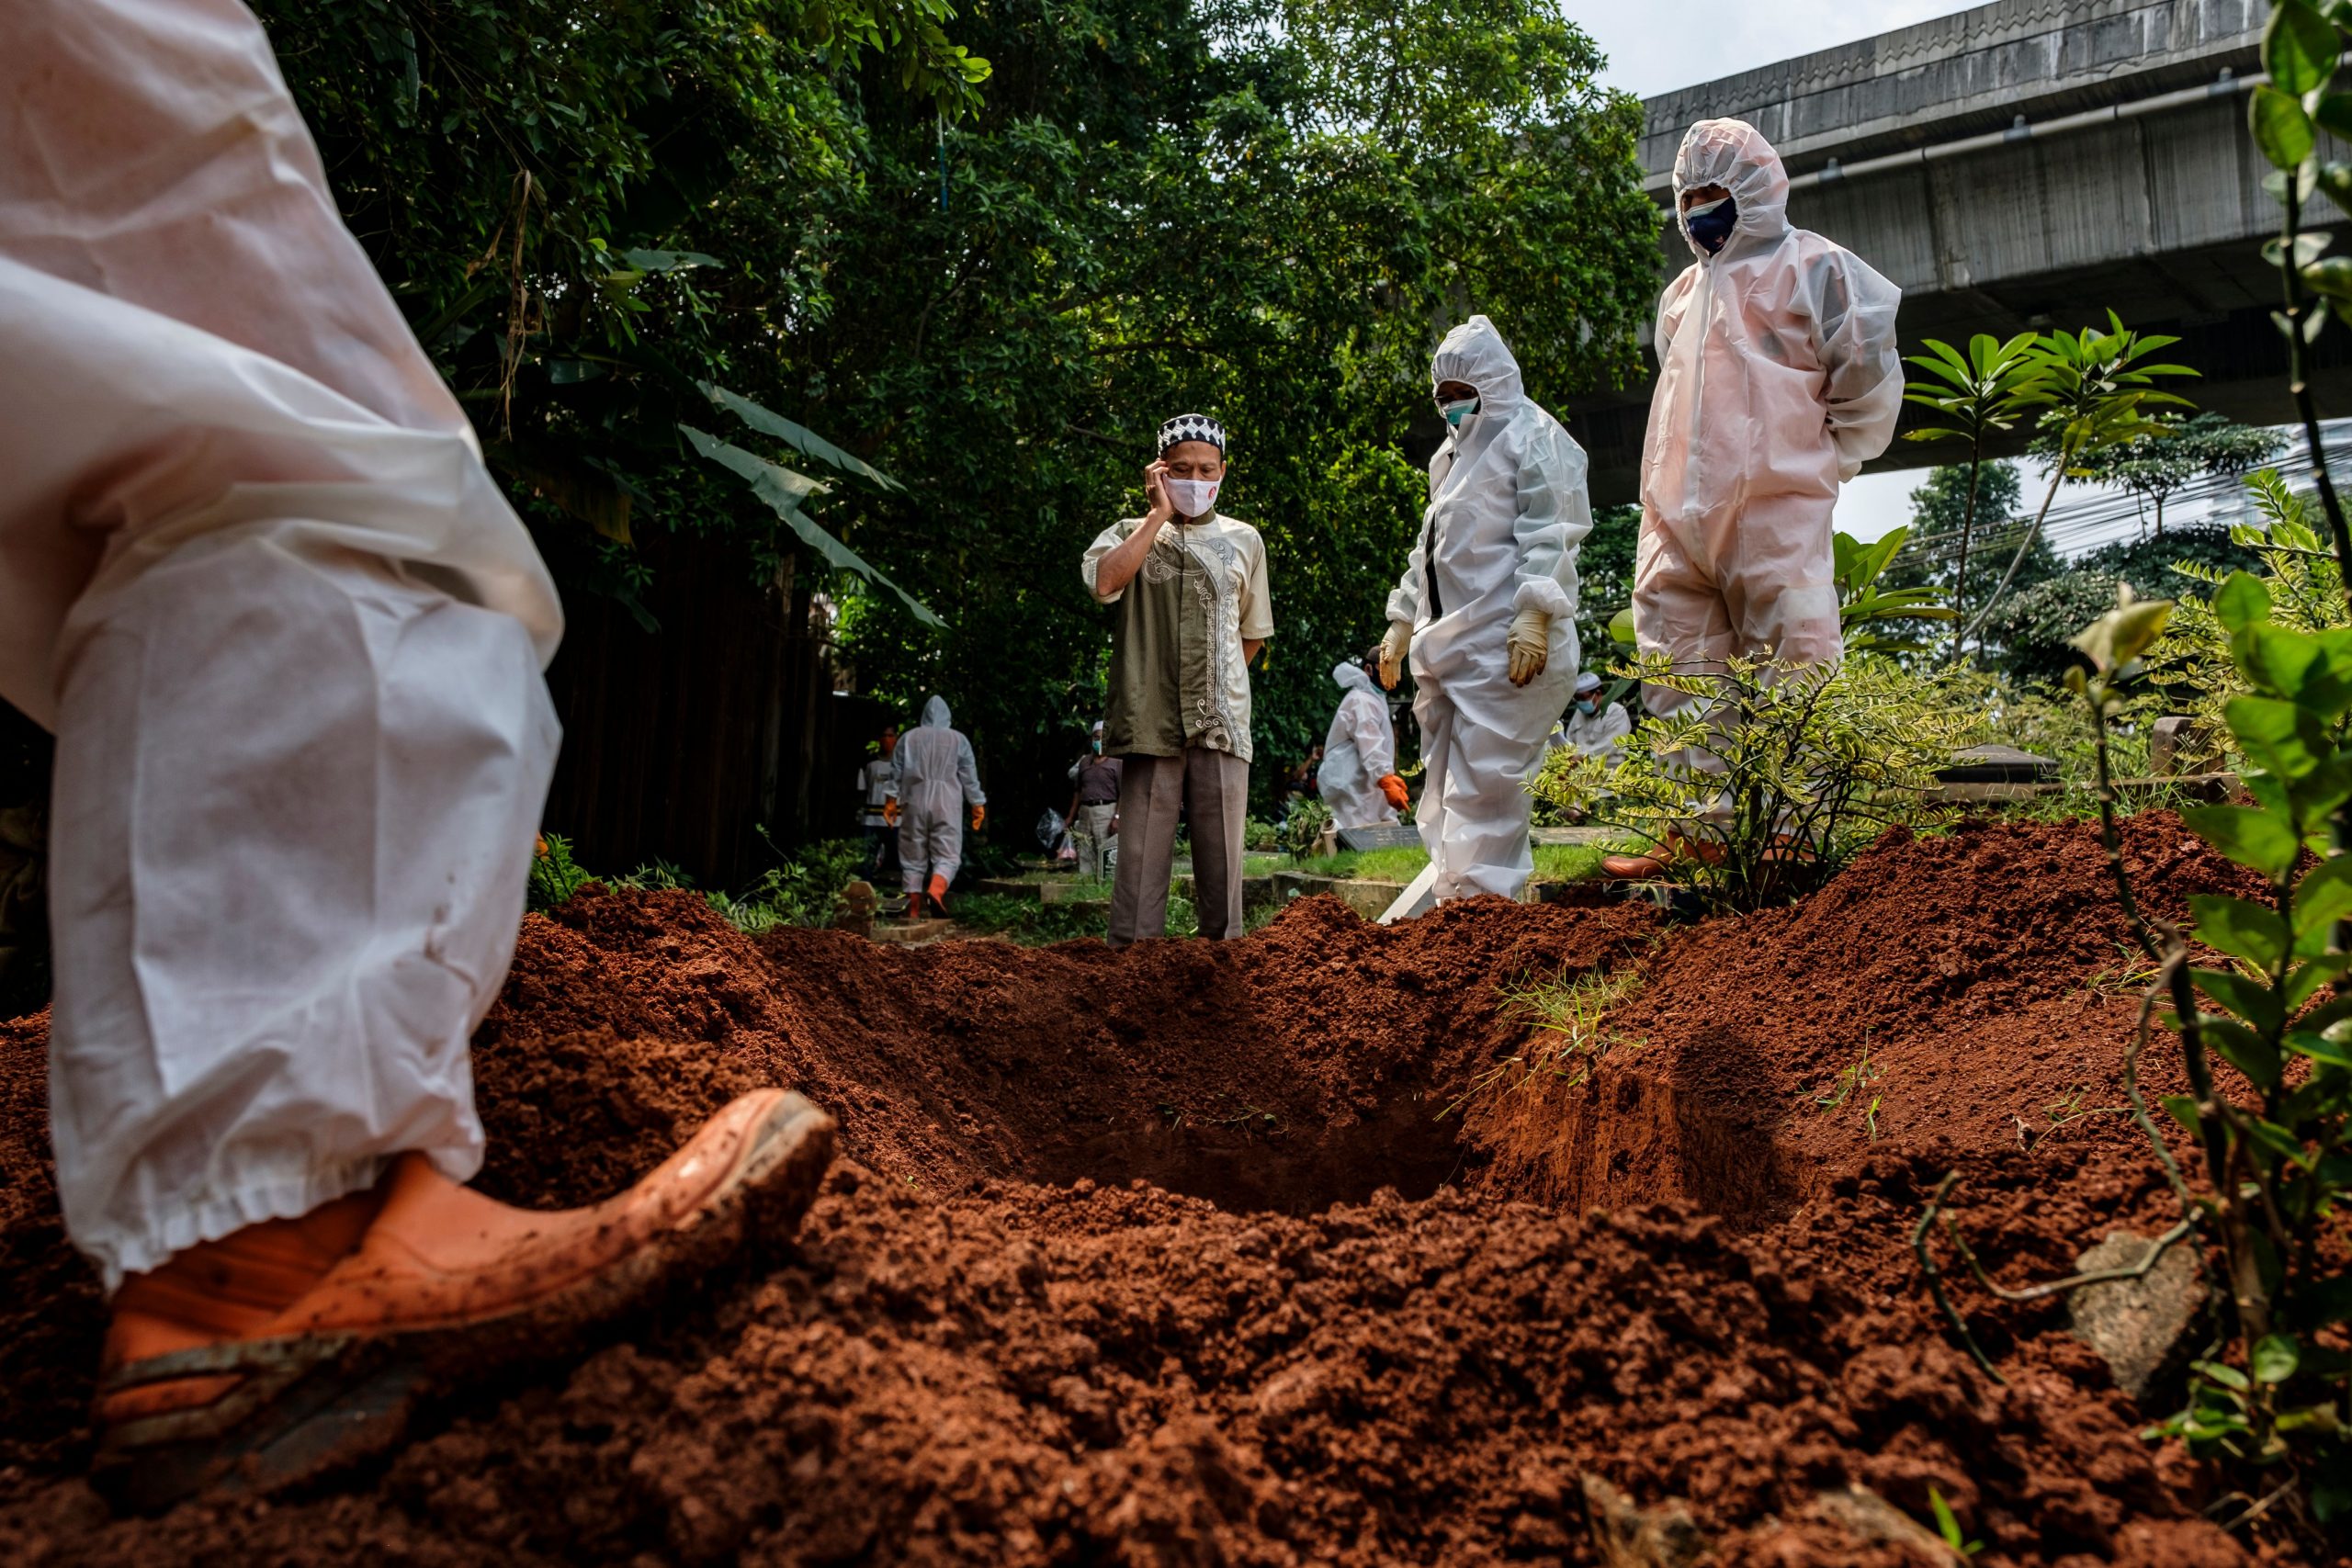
(1165, 1256)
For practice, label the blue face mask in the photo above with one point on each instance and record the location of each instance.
(1456, 412)
(1710, 224)
(1588, 705)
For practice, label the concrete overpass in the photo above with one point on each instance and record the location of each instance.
(2024, 164)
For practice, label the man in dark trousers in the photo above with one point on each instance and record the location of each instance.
(1093, 805)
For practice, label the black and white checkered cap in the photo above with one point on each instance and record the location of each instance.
(1192, 427)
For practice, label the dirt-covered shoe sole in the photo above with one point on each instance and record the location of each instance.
(308, 1405)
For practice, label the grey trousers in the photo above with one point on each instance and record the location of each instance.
(1214, 786)
(1089, 832)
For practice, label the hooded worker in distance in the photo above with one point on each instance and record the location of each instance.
(1593, 727)
(1358, 780)
(1778, 379)
(937, 779)
(1486, 611)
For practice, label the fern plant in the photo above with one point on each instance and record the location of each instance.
(555, 876)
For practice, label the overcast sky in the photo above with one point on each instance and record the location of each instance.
(1655, 46)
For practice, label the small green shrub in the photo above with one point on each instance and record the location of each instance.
(1025, 921)
(800, 892)
(1261, 836)
(1810, 766)
(2298, 571)
(1308, 819)
(2276, 1138)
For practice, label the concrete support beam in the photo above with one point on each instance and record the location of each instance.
(1919, 149)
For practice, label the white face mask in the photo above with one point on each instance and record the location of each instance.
(1193, 498)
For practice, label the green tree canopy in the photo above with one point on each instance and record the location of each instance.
(1930, 558)
(2036, 628)
(986, 253)
(1264, 212)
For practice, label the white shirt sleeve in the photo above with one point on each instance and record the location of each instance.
(1108, 539)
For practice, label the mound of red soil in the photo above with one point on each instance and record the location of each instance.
(1165, 1255)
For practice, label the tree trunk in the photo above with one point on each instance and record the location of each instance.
(1967, 522)
(2057, 476)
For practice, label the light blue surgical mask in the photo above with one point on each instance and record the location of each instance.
(1455, 412)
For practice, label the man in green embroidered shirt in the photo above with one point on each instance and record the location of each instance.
(1189, 585)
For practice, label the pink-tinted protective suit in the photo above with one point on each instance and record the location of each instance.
(1778, 379)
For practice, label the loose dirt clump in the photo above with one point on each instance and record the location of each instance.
(1165, 1256)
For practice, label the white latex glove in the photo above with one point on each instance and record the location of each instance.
(1392, 648)
(1530, 645)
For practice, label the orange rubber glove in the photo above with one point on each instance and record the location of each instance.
(1394, 788)
(979, 816)
(891, 812)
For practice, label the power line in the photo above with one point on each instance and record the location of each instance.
(2112, 515)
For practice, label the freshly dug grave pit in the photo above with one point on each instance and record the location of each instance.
(1165, 1256)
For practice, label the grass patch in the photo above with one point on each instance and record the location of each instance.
(1553, 863)
(2080, 803)
(1570, 862)
(1569, 1020)
(1032, 924)
(1849, 1086)
(1520, 1108)
(1025, 921)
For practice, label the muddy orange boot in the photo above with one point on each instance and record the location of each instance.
(294, 1346)
(938, 893)
(1632, 868)
(1647, 867)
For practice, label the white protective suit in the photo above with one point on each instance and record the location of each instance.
(1599, 734)
(937, 779)
(1508, 509)
(286, 627)
(1778, 378)
(1360, 750)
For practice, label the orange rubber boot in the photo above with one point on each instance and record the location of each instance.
(1632, 868)
(298, 1345)
(231, 1289)
(939, 895)
(1647, 867)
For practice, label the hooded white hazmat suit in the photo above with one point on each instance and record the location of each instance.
(1508, 509)
(1359, 751)
(285, 627)
(937, 779)
(1778, 379)
(1600, 733)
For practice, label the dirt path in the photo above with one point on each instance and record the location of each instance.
(1165, 1256)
